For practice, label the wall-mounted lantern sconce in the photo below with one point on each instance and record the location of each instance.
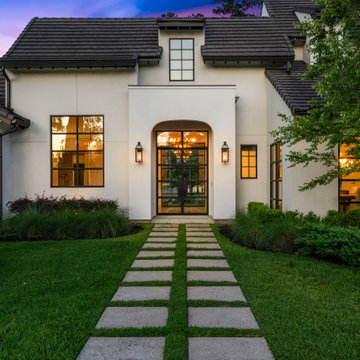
(139, 153)
(225, 153)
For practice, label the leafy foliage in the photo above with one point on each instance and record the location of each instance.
(334, 43)
(35, 224)
(291, 232)
(52, 203)
(234, 7)
(330, 243)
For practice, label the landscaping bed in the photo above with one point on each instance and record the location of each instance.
(52, 218)
(336, 237)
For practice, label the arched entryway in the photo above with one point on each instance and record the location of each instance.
(182, 168)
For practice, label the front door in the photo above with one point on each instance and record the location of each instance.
(182, 172)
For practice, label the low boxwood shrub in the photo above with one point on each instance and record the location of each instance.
(333, 218)
(52, 203)
(35, 224)
(330, 243)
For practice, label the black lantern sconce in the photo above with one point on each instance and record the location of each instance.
(139, 153)
(225, 153)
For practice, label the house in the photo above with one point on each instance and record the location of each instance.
(168, 116)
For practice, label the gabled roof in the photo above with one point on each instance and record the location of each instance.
(84, 42)
(2, 89)
(296, 92)
(247, 39)
(285, 8)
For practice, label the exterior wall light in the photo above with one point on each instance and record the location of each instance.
(225, 153)
(139, 153)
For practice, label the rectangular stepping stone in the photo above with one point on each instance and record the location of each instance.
(165, 228)
(201, 229)
(153, 263)
(229, 348)
(123, 348)
(206, 263)
(163, 233)
(222, 317)
(202, 233)
(197, 225)
(201, 239)
(133, 317)
(138, 276)
(198, 275)
(158, 245)
(203, 246)
(166, 225)
(218, 293)
(164, 239)
(213, 253)
(142, 293)
(146, 254)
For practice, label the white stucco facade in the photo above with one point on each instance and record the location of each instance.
(236, 103)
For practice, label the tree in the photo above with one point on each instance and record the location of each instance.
(170, 15)
(334, 42)
(234, 7)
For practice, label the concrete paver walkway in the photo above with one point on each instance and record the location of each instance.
(209, 278)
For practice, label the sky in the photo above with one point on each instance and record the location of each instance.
(15, 14)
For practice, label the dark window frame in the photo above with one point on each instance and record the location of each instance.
(243, 147)
(341, 180)
(77, 151)
(276, 178)
(181, 60)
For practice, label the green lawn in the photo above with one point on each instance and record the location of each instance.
(53, 293)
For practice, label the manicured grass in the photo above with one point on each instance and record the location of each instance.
(306, 308)
(52, 293)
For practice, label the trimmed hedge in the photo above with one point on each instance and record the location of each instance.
(330, 243)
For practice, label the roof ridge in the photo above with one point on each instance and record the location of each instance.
(27, 27)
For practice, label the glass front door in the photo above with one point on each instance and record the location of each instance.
(182, 172)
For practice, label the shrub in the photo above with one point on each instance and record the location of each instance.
(249, 231)
(35, 224)
(52, 203)
(351, 218)
(333, 218)
(311, 218)
(330, 243)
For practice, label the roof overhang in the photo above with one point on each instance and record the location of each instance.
(10, 121)
(181, 24)
(74, 63)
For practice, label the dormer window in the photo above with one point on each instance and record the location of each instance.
(181, 59)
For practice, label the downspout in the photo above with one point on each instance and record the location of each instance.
(8, 105)
(8, 88)
(1, 170)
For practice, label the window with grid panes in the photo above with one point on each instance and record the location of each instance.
(77, 151)
(181, 59)
(248, 161)
(276, 176)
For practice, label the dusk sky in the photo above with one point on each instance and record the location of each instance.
(15, 14)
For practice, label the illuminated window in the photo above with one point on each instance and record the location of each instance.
(276, 176)
(349, 185)
(77, 151)
(181, 59)
(248, 161)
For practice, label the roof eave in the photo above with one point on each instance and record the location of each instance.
(11, 121)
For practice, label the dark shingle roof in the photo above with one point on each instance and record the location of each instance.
(84, 42)
(285, 8)
(296, 92)
(247, 39)
(2, 89)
